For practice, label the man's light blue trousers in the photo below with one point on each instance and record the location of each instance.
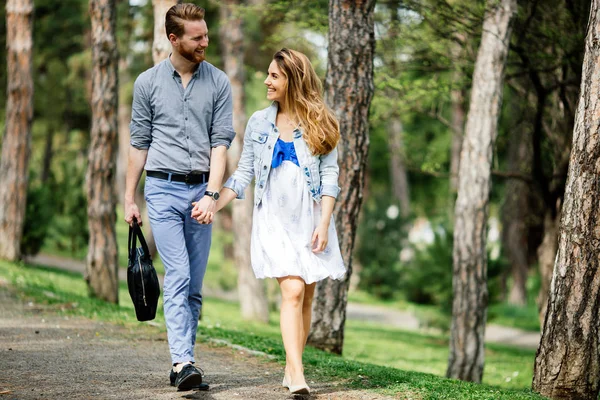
(183, 245)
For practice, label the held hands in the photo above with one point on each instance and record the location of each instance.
(132, 211)
(204, 210)
(320, 238)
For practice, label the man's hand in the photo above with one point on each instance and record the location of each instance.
(204, 210)
(132, 211)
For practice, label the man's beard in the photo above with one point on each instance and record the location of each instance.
(192, 56)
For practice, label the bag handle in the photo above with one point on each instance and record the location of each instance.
(135, 232)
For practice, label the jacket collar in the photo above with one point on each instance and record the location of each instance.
(271, 116)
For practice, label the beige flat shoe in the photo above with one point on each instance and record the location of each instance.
(300, 389)
(284, 383)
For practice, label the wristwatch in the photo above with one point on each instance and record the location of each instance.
(215, 195)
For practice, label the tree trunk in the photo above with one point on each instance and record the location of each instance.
(124, 115)
(161, 47)
(547, 256)
(14, 169)
(350, 65)
(251, 291)
(469, 308)
(458, 123)
(567, 363)
(398, 174)
(515, 214)
(102, 264)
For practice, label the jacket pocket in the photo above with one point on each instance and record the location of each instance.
(259, 137)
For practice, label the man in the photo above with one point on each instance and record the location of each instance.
(181, 127)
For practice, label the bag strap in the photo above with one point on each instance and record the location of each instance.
(131, 241)
(136, 231)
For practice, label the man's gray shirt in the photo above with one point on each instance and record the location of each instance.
(180, 126)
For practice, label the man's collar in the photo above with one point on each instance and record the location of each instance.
(174, 72)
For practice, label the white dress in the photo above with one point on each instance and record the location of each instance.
(282, 229)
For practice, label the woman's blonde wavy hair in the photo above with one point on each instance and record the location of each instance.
(304, 101)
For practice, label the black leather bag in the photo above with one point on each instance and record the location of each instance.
(142, 280)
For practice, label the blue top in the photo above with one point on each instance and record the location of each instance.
(284, 151)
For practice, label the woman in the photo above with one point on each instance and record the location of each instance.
(290, 148)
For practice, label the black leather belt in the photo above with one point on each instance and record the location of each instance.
(191, 179)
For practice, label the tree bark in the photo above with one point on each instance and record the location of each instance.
(397, 167)
(161, 47)
(102, 264)
(348, 91)
(546, 257)
(398, 174)
(251, 291)
(515, 214)
(124, 115)
(14, 168)
(457, 97)
(469, 307)
(567, 363)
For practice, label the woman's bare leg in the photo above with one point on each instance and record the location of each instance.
(309, 293)
(292, 327)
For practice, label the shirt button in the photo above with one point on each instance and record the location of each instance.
(269, 147)
(261, 186)
(264, 167)
(188, 137)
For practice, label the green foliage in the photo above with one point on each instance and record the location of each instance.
(427, 278)
(69, 230)
(38, 217)
(378, 249)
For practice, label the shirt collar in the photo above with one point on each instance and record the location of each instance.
(174, 72)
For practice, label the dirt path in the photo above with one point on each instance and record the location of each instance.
(47, 356)
(360, 312)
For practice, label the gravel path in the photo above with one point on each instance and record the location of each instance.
(47, 356)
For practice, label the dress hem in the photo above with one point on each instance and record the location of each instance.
(307, 281)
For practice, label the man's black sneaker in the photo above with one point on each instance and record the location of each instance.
(188, 379)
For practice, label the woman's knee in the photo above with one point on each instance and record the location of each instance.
(292, 291)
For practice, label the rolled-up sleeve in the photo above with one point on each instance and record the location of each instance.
(221, 131)
(329, 172)
(244, 173)
(140, 127)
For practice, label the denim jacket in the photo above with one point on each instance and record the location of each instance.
(320, 171)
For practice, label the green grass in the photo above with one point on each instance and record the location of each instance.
(389, 361)
(504, 314)
(525, 318)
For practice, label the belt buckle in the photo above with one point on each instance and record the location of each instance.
(186, 179)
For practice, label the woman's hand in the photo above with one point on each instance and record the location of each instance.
(204, 210)
(320, 238)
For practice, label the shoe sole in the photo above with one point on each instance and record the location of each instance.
(191, 382)
(301, 391)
